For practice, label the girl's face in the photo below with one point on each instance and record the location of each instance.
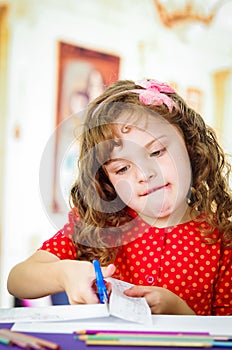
(151, 171)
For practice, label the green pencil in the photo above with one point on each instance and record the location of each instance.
(5, 341)
(145, 337)
(160, 340)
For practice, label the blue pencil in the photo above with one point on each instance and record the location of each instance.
(222, 344)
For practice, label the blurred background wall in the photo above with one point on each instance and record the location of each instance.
(195, 58)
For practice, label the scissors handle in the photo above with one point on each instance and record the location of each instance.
(101, 287)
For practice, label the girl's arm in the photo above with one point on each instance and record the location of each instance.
(44, 274)
(161, 300)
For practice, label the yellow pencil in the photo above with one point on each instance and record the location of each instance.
(176, 343)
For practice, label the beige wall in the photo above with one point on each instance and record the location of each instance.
(3, 92)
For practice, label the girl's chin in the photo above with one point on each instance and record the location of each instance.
(166, 216)
(158, 213)
(155, 216)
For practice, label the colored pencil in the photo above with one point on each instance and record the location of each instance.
(222, 344)
(21, 343)
(15, 341)
(5, 341)
(144, 337)
(175, 343)
(147, 340)
(105, 331)
(28, 341)
(128, 333)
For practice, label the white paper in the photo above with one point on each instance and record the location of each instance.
(107, 323)
(53, 313)
(215, 325)
(130, 309)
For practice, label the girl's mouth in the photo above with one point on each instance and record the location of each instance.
(154, 189)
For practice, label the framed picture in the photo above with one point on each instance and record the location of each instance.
(83, 74)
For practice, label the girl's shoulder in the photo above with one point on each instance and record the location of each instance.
(61, 244)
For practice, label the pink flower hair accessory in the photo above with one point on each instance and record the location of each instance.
(153, 93)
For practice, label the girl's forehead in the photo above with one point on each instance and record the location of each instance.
(152, 126)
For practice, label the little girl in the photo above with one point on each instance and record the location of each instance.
(151, 202)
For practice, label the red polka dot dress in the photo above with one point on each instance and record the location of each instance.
(175, 258)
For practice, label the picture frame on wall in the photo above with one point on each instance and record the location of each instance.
(83, 74)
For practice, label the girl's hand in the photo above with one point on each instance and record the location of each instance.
(161, 300)
(77, 279)
(43, 274)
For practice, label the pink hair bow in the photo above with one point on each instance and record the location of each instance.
(154, 93)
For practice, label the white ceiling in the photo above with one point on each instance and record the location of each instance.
(140, 19)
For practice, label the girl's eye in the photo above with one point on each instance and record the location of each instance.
(158, 153)
(122, 170)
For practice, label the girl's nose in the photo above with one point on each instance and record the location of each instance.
(146, 173)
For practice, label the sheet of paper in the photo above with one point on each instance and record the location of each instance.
(53, 313)
(128, 308)
(109, 323)
(215, 325)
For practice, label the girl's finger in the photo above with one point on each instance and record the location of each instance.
(109, 270)
(135, 291)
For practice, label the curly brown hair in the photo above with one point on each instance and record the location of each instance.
(102, 215)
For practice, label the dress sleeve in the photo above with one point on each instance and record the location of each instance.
(222, 304)
(61, 244)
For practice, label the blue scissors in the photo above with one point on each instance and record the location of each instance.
(101, 288)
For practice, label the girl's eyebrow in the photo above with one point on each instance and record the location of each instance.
(147, 146)
(110, 161)
(155, 139)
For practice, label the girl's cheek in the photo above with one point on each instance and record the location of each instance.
(124, 190)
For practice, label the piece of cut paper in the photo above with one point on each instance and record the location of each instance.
(127, 308)
(53, 313)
